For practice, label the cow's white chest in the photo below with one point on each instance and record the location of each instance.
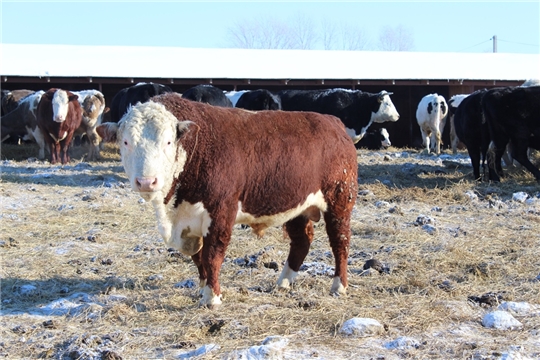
(183, 227)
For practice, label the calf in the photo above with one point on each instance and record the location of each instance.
(453, 104)
(207, 94)
(206, 168)
(356, 109)
(512, 114)
(431, 117)
(259, 100)
(59, 114)
(375, 140)
(93, 107)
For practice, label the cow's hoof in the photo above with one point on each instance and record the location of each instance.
(337, 287)
(210, 299)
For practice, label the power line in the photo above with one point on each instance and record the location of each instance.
(470, 47)
(520, 43)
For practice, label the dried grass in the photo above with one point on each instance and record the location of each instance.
(79, 228)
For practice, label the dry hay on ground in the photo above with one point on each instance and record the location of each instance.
(86, 275)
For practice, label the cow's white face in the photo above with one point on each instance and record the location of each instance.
(386, 138)
(60, 103)
(387, 111)
(151, 154)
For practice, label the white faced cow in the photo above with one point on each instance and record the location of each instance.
(206, 168)
(431, 117)
(93, 107)
(356, 109)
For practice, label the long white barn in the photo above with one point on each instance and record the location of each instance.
(409, 75)
(188, 63)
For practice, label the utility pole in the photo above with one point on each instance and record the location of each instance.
(494, 38)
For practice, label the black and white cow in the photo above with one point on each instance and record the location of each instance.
(260, 99)
(140, 92)
(453, 104)
(512, 114)
(207, 94)
(431, 117)
(375, 140)
(356, 109)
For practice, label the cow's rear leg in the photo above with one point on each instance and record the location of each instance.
(339, 234)
(300, 230)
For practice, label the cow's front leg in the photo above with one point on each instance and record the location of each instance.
(213, 252)
(197, 259)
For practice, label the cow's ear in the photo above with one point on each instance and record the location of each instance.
(381, 95)
(182, 128)
(73, 97)
(108, 131)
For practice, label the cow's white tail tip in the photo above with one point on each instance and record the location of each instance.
(287, 277)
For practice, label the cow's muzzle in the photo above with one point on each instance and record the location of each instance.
(147, 184)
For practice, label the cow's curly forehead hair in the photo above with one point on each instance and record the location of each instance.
(147, 120)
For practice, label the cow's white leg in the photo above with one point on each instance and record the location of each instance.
(337, 287)
(209, 298)
(287, 277)
(425, 138)
(438, 142)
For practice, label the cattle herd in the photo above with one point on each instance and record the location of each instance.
(290, 156)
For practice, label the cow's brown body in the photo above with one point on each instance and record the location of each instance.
(58, 135)
(258, 168)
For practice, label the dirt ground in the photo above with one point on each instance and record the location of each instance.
(85, 274)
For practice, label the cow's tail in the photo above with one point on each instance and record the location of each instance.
(491, 154)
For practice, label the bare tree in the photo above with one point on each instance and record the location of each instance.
(396, 39)
(353, 38)
(329, 35)
(263, 33)
(272, 33)
(303, 33)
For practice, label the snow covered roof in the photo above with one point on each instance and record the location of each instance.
(189, 63)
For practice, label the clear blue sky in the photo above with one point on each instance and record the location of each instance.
(435, 26)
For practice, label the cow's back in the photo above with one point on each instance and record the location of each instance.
(290, 154)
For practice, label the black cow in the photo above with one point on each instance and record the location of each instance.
(375, 140)
(471, 130)
(259, 100)
(207, 94)
(356, 109)
(512, 114)
(141, 92)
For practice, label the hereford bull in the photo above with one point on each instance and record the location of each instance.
(206, 168)
(59, 114)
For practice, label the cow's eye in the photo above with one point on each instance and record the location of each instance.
(125, 142)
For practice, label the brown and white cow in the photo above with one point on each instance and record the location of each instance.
(206, 168)
(93, 107)
(59, 114)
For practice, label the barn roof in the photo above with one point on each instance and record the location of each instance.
(182, 63)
